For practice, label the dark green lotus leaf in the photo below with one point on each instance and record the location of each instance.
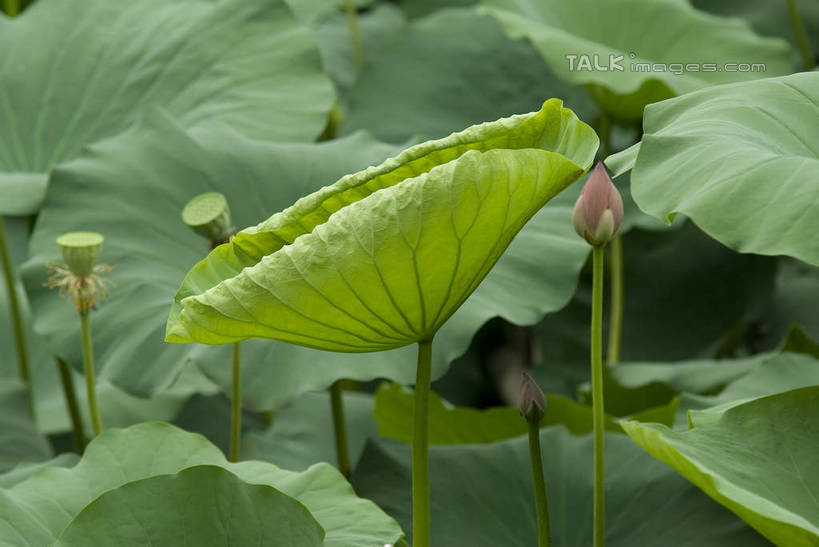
(200, 505)
(375, 26)
(39, 509)
(22, 471)
(652, 42)
(388, 254)
(302, 434)
(757, 459)
(777, 374)
(798, 342)
(464, 425)
(684, 270)
(739, 160)
(19, 439)
(74, 73)
(794, 302)
(483, 494)
(447, 71)
(770, 18)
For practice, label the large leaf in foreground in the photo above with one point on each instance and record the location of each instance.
(40, 508)
(383, 257)
(201, 505)
(758, 459)
(483, 494)
(133, 188)
(739, 160)
(654, 42)
(76, 72)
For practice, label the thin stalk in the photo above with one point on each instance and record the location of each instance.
(78, 429)
(11, 7)
(88, 369)
(236, 406)
(801, 37)
(541, 502)
(355, 34)
(420, 448)
(16, 315)
(597, 395)
(340, 428)
(615, 334)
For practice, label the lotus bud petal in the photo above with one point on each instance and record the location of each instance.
(532, 399)
(80, 251)
(209, 216)
(598, 212)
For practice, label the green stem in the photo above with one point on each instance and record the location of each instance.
(236, 406)
(615, 334)
(11, 7)
(14, 308)
(540, 485)
(70, 394)
(597, 395)
(88, 369)
(340, 429)
(420, 442)
(801, 37)
(604, 133)
(355, 34)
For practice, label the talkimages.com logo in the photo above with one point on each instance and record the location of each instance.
(618, 63)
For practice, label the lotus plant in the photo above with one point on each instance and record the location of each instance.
(383, 257)
(597, 216)
(208, 215)
(79, 278)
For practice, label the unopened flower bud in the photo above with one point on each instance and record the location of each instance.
(80, 251)
(209, 216)
(598, 212)
(532, 399)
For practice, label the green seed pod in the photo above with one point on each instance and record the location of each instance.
(209, 216)
(81, 251)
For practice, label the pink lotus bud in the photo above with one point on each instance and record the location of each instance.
(598, 211)
(532, 400)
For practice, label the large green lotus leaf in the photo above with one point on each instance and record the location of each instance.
(758, 459)
(775, 375)
(447, 71)
(794, 301)
(20, 441)
(715, 290)
(335, 43)
(739, 161)
(40, 508)
(388, 254)
(201, 505)
(482, 495)
(303, 433)
(75, 72)
(770, 18)
(464, 425)
(631, 387)
(653, 41)
(22, 471)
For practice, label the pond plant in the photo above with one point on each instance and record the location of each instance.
(349, 309)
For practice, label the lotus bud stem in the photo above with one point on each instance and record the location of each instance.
(533, 408)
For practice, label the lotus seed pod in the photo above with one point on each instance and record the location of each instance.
(209, 216)
(598, 212)
(532, 399)
(81, 251)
